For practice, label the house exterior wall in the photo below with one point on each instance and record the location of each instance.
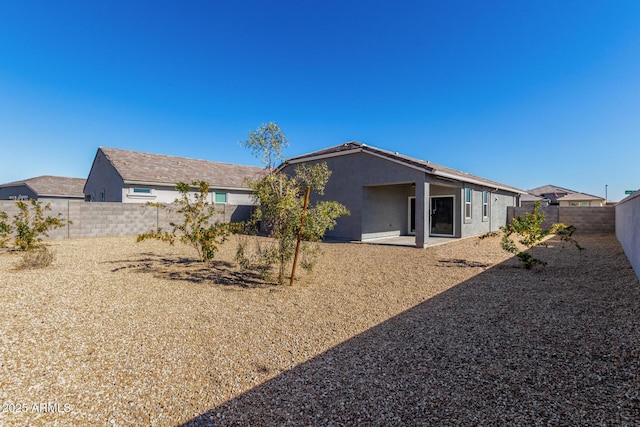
(376, 191)
(627, 217)
(165, 194)
(6, 193)
(388, 210)
(104, 183)
(498, 202)
(350, 174)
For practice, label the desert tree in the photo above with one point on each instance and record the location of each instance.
(280, 199)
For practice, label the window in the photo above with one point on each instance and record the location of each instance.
(221, 198)
(141, 193)
(485, 205)
(467, 203)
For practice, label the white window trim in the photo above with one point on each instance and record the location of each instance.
(469, 218)
(226, 197)
(486, 204)
(131, 194)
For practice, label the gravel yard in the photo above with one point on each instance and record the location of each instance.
(116, 333)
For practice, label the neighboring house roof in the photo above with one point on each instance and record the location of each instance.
(528, 197)
(52, 186)
(145, 168)
(563, 193)
(426, 166)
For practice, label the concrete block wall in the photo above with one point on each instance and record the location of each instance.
(551, 213)
(109, 219)
(590, 220)
(587, 220)
(628, 228)
(57, 207)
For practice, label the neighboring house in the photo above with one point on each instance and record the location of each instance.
(389, 194)
(44, 188)
(134, 177)
(558, 196)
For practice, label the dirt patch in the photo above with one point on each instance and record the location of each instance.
(118, 333)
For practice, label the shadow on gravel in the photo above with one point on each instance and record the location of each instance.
(220, 273)
(507, 347)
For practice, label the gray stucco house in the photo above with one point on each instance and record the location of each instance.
(44, 187)
(389, 195)
(135, 177)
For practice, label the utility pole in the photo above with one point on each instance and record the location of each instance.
(606, 199)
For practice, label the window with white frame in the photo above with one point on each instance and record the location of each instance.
(137, 190)
(220, 198)
(467, 203)
(140, 192)
(485, 205)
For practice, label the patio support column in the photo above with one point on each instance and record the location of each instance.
(422, 214)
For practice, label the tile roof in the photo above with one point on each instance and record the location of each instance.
(427, 166)
(528, 197)
(158, 168)
(48, 185)
(563, 193)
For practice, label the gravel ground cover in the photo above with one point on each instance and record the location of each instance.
(116, 333)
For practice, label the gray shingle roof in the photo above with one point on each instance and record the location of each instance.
(48, 185)
(135, 166)
(427, 166)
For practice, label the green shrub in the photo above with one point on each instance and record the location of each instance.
(196, 229)
(5, 229)
(29, 225)
(530, 234)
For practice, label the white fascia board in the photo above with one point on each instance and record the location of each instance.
(173, 184)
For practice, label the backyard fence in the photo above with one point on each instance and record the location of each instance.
(106, 219)
(587, 220)
(628, 228)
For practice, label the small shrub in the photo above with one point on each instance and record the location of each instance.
(5, 229)
(196, 230)
(530, 234)
(37, 258)
(29, 225)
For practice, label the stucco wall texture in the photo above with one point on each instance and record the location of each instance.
(628, 229)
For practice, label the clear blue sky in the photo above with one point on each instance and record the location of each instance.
(525, 93)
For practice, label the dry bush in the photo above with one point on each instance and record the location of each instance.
(37, 258)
